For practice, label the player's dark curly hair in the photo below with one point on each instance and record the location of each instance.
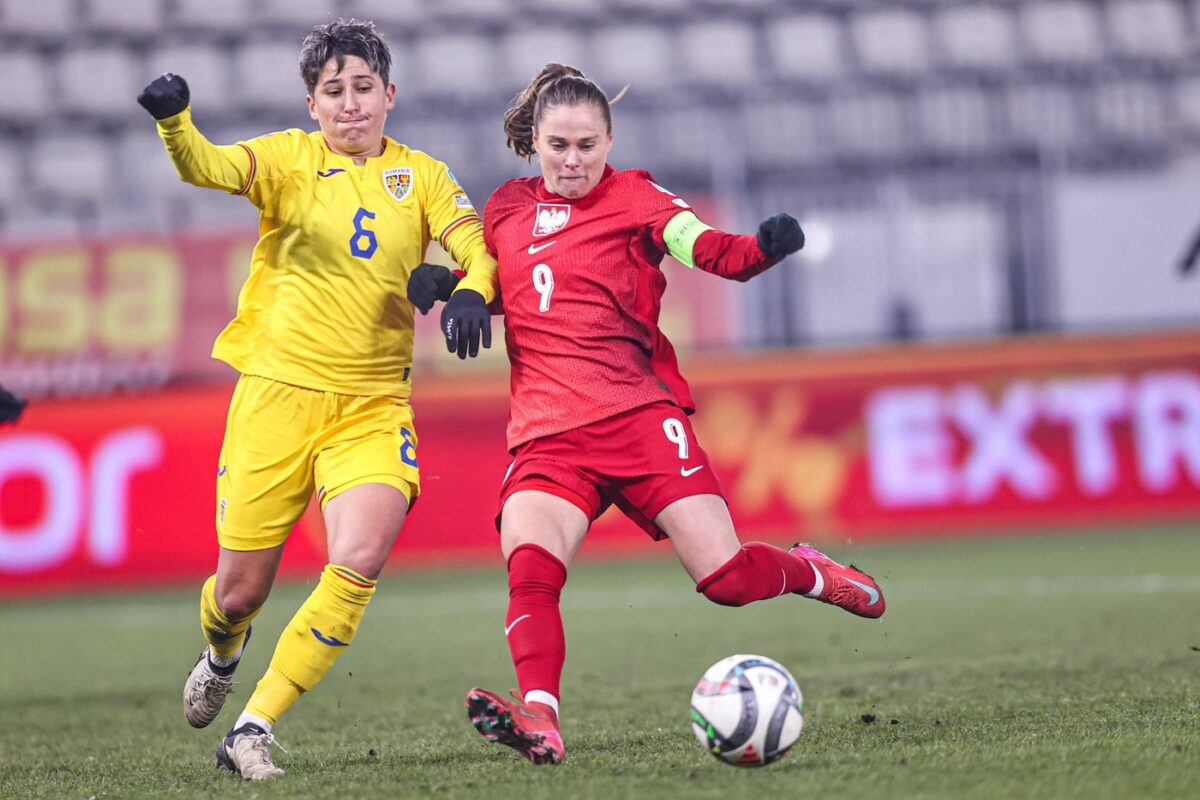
(555, 85)
(341, 38)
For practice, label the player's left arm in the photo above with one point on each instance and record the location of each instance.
(678, 231)
(737, 257)
(456, 226)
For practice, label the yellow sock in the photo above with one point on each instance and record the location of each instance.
(224, 635)
(313, 640)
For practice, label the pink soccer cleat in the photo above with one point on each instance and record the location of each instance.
(848, 588)
(529, 728)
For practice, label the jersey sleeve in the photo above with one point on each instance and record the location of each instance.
(677, 230)
(202, 163)
(456, 226)
(654, 206)
(272, 156)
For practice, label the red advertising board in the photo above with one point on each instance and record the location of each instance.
(904, 442)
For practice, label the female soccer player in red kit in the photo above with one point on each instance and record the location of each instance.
(599, 411)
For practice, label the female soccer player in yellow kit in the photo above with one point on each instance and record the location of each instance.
(323, 342)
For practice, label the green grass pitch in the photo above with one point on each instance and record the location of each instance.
(1026, 667)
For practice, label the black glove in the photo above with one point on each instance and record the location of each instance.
(429, 283)
(166, 96)
(11, 407)
(466, 320)
(780, 236)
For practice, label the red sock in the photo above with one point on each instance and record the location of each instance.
(533, 624)
(756, 572)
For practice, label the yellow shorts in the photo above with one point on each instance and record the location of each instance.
(284, 442)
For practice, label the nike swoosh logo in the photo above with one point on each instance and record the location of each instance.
(535, 249)
(873, 593)
(330, 172)
(687, 472)
(508, 628)
(332, 641)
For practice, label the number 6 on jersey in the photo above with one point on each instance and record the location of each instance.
(543, 284)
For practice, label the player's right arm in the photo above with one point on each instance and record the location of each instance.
(197, 160)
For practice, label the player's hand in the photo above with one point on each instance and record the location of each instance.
(465, 322)
(780, 236)
(166, 96)
(11, 407)
(429, 283)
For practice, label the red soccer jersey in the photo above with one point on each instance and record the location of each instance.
(582, 291)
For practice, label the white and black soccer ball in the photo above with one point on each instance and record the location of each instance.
(747, 710)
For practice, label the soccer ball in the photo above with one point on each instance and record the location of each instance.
(747, 710)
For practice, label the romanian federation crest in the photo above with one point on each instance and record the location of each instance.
(550, 218)
(398, 182)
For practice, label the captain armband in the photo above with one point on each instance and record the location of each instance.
(681, 234)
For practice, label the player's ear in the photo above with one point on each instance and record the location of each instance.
(312, 107)
(389, 94)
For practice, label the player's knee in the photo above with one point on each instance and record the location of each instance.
(240, 602)
(731, 584)
(727, 593)
(534, 570)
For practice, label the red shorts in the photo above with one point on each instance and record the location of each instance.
(640, 460)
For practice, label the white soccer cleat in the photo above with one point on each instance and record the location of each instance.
(206, 688)
(246, 751)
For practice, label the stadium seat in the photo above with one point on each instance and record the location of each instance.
(954, 119)
(1062, 31)
(976, 36)
(840, 288)
(953, 275)
(40, 222)
(807, 47)
(455, 65)
(206, 68)
(448, 141)
(893, 41)
(663, 7)
(690, 138)
(44, 19)
(133, 17)
(1187, 104)
(467, 12)
(1044, 115)
(639, 55)
(267, 76)
(804, 142)
(527, 50)
(579, 9)
(71, 168)
(1148, 28)
(100, 81)
(28, 79)
(867, 123)
(218, 16)
(301, 15)
(636, 142)
(387, 12)
(1132, 109)
(719, 52)
(11, 178)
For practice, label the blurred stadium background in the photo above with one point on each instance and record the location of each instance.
(987, 330)
(988, 333)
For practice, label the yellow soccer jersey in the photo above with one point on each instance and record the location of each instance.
(325, 305)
